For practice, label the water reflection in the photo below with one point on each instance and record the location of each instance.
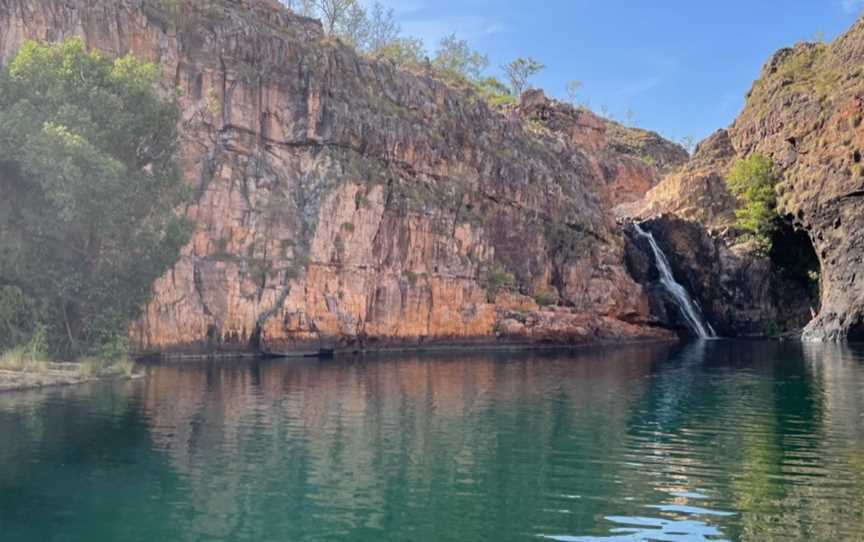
(717, 440)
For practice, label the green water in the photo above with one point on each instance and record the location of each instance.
(710, 441)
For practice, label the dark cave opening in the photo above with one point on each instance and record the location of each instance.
(793, 253)
(856, 331)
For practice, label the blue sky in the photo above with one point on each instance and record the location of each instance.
(681, 66)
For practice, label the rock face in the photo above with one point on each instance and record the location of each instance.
(628, 161)
(805, 112)
(740, 294)
(695, 192)
(343, 203)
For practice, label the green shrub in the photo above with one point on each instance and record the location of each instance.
(496, 279)
(30, 356)
(406, 53)
(494, 92)
(546, 297)
(753, 181)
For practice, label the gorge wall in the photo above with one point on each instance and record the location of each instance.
(804, 113)
(343, 203)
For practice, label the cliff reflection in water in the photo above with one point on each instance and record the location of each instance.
(716, 440)
(356, 441)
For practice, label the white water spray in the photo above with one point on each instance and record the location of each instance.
(689, 309)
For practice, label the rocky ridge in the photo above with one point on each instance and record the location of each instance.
(804, 113)
(342, 203)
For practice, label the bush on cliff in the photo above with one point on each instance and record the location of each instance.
(752, 181)
(89, 182)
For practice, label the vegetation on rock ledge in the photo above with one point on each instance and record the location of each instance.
(752, 181)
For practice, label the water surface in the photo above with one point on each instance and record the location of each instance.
(716, 440)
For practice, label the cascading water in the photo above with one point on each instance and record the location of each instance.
(689, 309)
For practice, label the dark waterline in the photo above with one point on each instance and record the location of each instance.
(717, 440)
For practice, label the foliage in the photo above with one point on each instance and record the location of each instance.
(520, 71)
(381, 27)
(29, 356)
(546, 297)
(573, 88)
(494, 92)
(455, 59)
(771, 328)
(88, 155)
(369, 30)
(752, 181)
(495, 279)
(374, 31)
(404, 52)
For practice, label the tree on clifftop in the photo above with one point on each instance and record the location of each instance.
(520, 71)
(90, 183)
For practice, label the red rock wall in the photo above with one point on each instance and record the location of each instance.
(344, 203)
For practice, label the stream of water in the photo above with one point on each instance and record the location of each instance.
(688, 307)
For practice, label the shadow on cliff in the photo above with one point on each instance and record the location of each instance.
(741, 293)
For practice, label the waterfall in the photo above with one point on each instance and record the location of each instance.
(689, 308)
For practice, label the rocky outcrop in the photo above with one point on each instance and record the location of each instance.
(343, 203)
(740, 293)
(628, 161)
(805, 112)
(697, 191)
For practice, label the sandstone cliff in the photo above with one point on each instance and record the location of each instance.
(805, 113)
(343, 203)
(697, 191)
(628, 161)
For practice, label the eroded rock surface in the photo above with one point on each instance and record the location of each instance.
(628, 161)
(805, 112)
(739, 292)
(343, 203)
(697, 191)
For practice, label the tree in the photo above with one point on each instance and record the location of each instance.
(369, 30)
(302, 7)
(382, 28)
(89, 180)
(573, 88)
(520, 71)
(752, 181)
(455, 58)
(689, 144)
(404, 52)
(339, 17)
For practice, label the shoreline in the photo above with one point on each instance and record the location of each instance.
(69, 375)
(390, 350)
(14, 381)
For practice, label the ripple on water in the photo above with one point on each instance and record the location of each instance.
(726, 441)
